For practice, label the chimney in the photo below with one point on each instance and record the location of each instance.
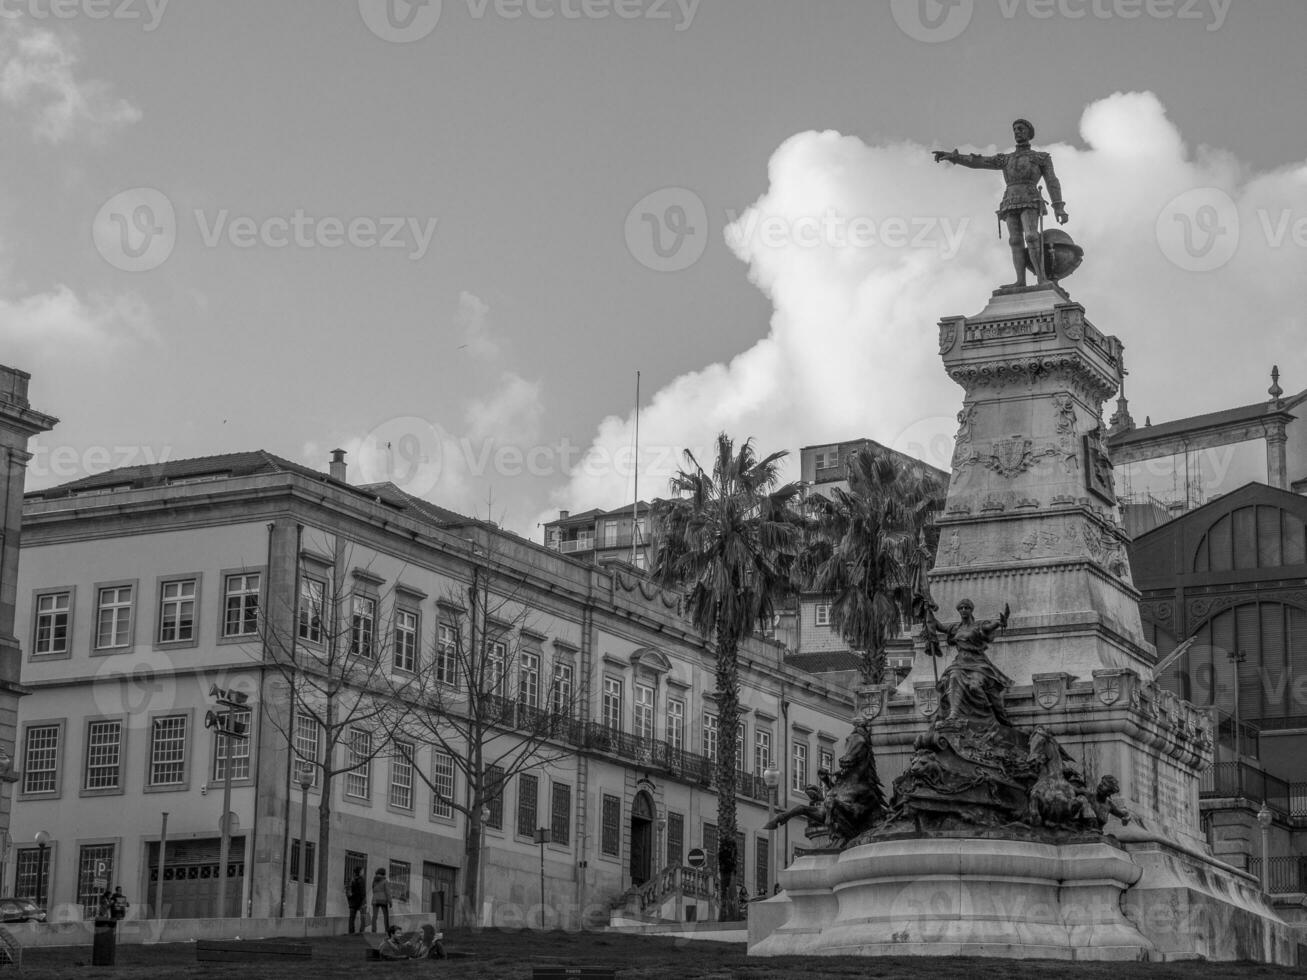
(337, 469)
(563, 514)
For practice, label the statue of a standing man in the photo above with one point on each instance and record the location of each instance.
(1023, 204)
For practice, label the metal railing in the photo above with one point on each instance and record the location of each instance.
(1228, 780)
(1286, 874)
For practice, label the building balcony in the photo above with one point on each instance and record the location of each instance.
(1233, 780)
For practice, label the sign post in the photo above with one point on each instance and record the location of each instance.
(696, 858)
(229, 727)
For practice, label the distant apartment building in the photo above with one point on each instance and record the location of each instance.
(817, 646)
(603, 536)
(142, 588)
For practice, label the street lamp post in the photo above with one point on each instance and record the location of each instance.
(771, 776)
(42, 839)
(306, 781)
(229, 728)
(1264, 818)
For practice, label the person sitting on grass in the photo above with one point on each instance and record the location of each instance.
(420, 945)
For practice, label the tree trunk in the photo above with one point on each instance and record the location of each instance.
(728, 718)
(324, 846)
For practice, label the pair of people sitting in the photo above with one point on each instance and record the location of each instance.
(422, 944)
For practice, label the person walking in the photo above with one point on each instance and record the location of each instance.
(356, 893)
(380, 898)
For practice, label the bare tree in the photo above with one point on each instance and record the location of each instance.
(334, 654)
(482, 700)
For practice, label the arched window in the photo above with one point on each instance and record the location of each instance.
(1256, 536)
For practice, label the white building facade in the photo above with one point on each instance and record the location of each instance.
(141, 589)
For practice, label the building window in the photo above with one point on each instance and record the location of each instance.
(113, 617)
(741, 760)
(307, 740)
(528, 679)
(613, 703)
(406, 640)
(313, 600)
(177, 612)
(494, 790)
(238, 747)
(93, 861)
(41, 759)
(168, 751)
(400, 872)
(761, 750)
(675, 839)
(610, 836)
(32, 864)
(644, 712)
(53, 612)
(823, 614)
(762, 866)
(104, 741)
(447, 656)
(610, 534)
(401, 776)
(560, 814)
(358, 780)
(675, 723)
(494, 676)
(799, 769)
(241, 605)
(362, 626)
(710, 736)
(442, 784)
(561, 695)
(310, 860)
(710, 847)
(825, 759)
(528, 790)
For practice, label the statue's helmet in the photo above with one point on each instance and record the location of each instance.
(1024, 122)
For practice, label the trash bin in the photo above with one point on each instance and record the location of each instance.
(105, 946)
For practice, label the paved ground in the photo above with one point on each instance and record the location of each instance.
(499, 955)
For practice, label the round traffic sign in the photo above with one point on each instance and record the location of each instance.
(696, 858)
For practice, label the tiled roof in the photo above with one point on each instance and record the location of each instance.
(255, 463)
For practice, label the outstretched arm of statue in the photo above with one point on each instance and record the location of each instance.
(1002, 617)
(973, 160)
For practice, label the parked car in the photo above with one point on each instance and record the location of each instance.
(20, 910)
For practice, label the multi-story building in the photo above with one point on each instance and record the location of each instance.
(603, 536)
(142, 588)
(1227, 574)
(816, 645)
(18, 423)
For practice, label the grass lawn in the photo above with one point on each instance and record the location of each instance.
(503, 955)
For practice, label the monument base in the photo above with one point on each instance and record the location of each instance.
(961, 897)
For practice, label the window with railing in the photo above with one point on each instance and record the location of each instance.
(442, 784)
(528, 679)
(799, 767)
(761, 750)
(528, 790)
(560, 818)
(363, 623)
(610, 834)
(676, 723)
(612, 704)
(561, 697)
(644, 711)
(710, 736)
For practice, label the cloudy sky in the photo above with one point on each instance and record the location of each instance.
(446, 236)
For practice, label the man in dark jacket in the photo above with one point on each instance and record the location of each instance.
(357, 894)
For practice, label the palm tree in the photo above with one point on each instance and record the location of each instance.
(870, 550)
(728, 540)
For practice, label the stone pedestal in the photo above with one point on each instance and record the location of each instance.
(962, 897)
